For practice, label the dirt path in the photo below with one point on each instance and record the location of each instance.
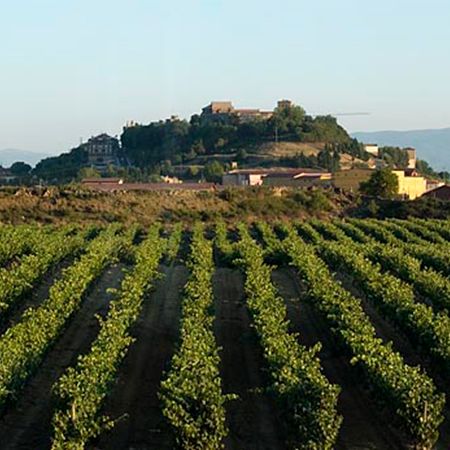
(36, 297)
(365, 425)
(135, 395)
(251, 419)
(27, 424)
(400, 342)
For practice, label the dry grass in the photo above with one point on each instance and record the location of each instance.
(290, 149)
(74, 205)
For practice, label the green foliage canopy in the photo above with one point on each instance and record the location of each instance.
(382, 183)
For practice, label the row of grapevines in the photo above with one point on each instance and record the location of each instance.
(224, 246)
(420, 230)
(441, 227)
(395, 298)
(406, 390)
(174, 241)
(330, 231)
(430, 255)
(191, 394)
(21, 277)
(400, 232)
(80, 392)
(273, 247)
(376, 231)
(353, 232)
(308, 232)
(308, 400)
(426, 281)
(16, 241)
(24, 345)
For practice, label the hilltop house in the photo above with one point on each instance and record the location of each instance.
(103, 151)
(225, 108)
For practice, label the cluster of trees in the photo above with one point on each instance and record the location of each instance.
(21, 171)
(325, 159)
(425, 169)
(329, 158)
(62, 168)
(180, 141)
(394, 157)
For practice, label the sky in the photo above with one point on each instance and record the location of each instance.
(73, 69)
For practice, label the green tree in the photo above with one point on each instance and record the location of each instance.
(62, 168)
(213, 172)
(241, 155)
(88, 172)
(382, 183)
(192, 154)
(193, 171)
(373, 208)
(329, 160)
(394, 157)
(287, 121)
(198, 147)
(20, 169)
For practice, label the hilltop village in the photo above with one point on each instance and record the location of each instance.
(229, 146)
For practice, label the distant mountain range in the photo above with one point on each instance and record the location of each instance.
(432, 146)
(10, 155)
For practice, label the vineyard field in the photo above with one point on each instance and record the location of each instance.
(312, 335)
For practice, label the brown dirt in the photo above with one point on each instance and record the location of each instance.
(365, 425)
(27, 423)
(412, 356)
(252, 420)
(135, 396)
(36, 297)
(386, 330)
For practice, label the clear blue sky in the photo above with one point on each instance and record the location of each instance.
(70, 69)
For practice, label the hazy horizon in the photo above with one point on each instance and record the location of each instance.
(70, 71)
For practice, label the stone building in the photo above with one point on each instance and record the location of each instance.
(412, 157)
(244, 114)
(103, 151)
